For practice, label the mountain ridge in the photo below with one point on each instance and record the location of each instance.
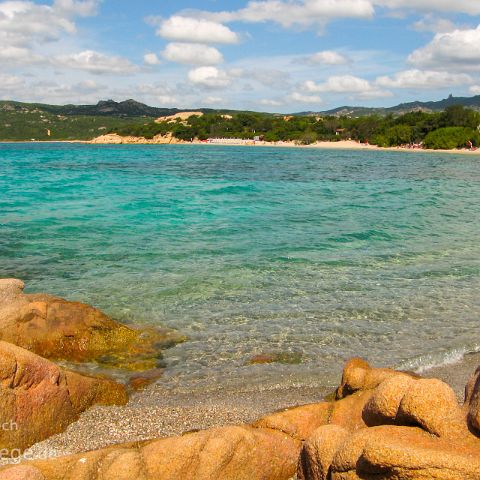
(133, 109)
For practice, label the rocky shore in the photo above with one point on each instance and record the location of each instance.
(379, 423)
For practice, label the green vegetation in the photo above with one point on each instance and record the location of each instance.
(453, 128)
(27, 122)
(451, 137)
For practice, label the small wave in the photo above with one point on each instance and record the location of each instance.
(424, 363)
(230, 189)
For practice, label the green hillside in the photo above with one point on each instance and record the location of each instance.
(34, 122)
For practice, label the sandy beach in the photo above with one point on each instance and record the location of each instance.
(340, 145)
(114, 139)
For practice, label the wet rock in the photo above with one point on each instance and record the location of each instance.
(142, 380)
(61, 330)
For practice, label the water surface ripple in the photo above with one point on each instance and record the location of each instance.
(326, 254)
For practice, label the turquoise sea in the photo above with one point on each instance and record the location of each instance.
(321, 254)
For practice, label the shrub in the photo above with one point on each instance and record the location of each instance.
(451, 137)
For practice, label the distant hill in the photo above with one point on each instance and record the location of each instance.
(27, 121)
(108, 108)
(105, 108)
(39, 121)
(470, 102)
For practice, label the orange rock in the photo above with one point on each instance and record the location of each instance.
(359, 375)
(141, 380)
(414, 429)
(319, 451)
(403, 453)
(472, 401)
(39, 399)
(58, 329)
(390, 426)
(298, 422)
(230, 453)
(23, 472)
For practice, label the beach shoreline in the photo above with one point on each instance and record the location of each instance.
(326, 145)
(157, 412)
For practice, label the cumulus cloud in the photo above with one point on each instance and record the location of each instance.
(210, 77)
(423, 79)
(213, 101)
(470, 7)
(195, 30)
(25, 26)
(318, 13)
(457, 49)
(192, 54)
(10, 82)
(288, 13)
(167, 100)
(83, 8)
(302, 98)
(346, 84)
(151, 59)
(327, 57)
(475, 89)
(96, 62)
(268, 102)
(433, 24)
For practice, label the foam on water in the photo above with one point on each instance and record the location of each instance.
(321, 254)
(424, 363)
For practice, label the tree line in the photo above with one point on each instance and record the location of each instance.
(456, 127)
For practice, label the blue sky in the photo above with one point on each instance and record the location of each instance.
(270, 55)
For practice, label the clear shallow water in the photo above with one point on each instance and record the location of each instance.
(328, 254)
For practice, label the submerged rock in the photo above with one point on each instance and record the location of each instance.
(281, 357)
(62, 330)
(39, 399)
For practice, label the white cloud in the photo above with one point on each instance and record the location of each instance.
(210, 77)
(346, 84)
(327, 57)
(196, 30)
(192, 54)
(475, 89)
(167, 100)
(213, 101)
(96, 62)
(268, 102)
(433, 24)
(470, 7)
(26, 27)
(423, 79)
(83, 8)
(458, 49)
(302, 98)
(295, 12)
(10, 82)
(151, 59)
